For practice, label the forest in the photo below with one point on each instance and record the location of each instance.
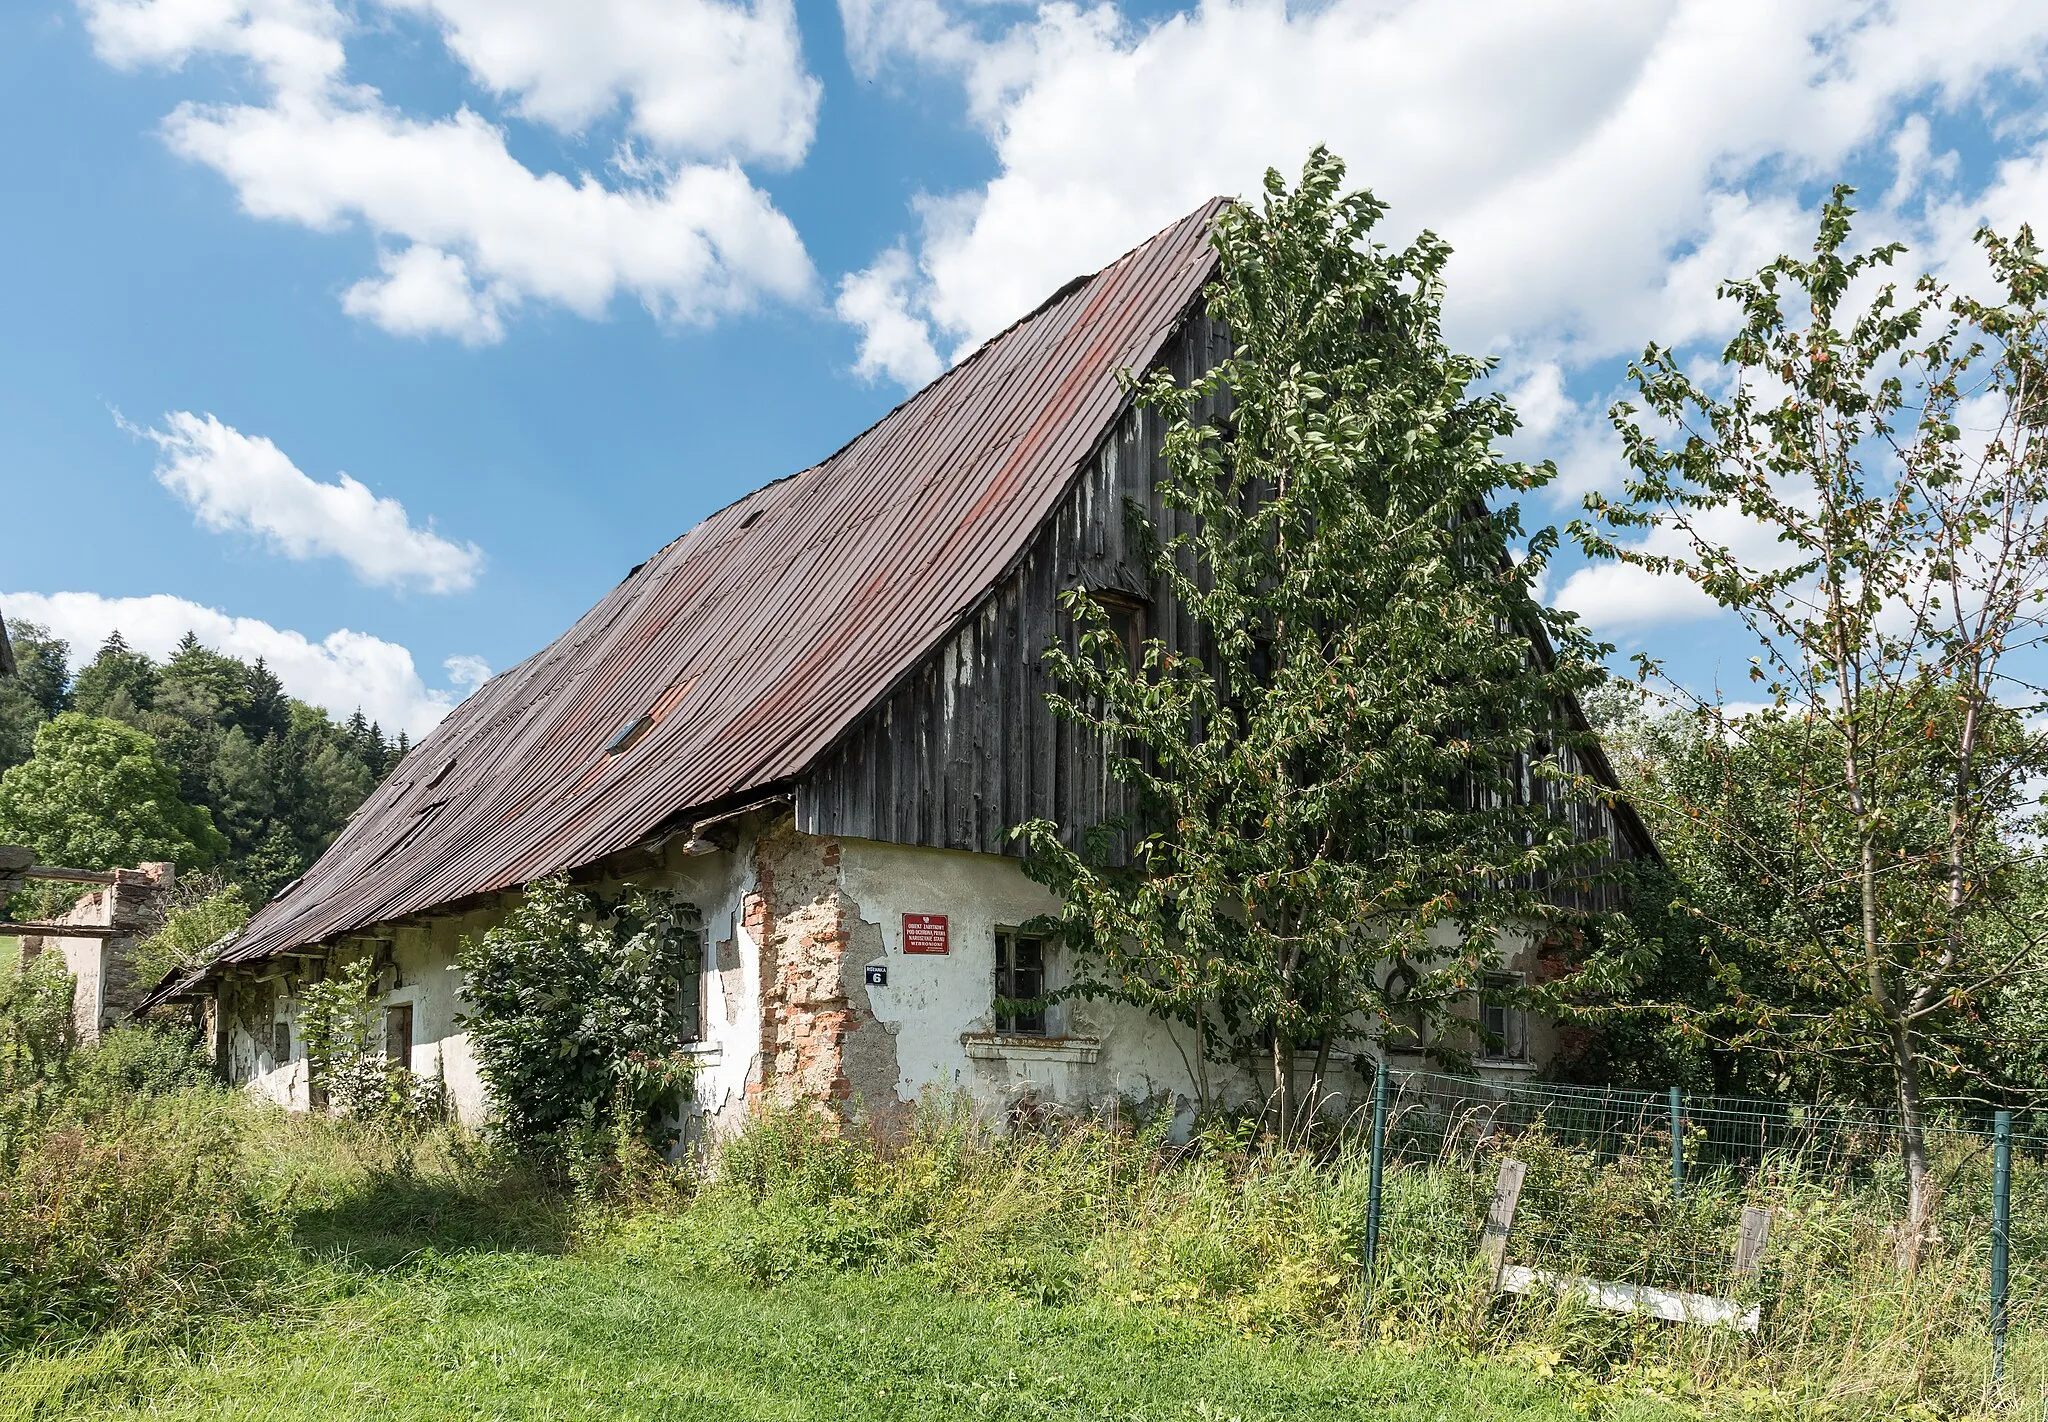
(202, 759)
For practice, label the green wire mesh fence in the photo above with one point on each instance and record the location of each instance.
(1650, 1194)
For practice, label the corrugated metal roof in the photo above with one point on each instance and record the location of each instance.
(727, 662)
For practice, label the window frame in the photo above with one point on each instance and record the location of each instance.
(1030, 1024)
(1513, 1032)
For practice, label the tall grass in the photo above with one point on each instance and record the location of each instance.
(145, 1206)
(1266, 1241)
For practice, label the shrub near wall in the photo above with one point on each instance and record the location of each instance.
(575, 1018)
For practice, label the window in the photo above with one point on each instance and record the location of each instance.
(1502, 1020)
(398, 1034)
(1020, 978)
(281, 1043)
(1127, 619)
(690, 1006)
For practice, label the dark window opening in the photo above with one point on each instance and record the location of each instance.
(1127, 620)
(281, 1043)
(398, 1034)
(1020, 979)
(1503, 1022)
(690, 1004)
(1404, 1024)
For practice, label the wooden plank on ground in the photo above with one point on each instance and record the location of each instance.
(1672, 1304)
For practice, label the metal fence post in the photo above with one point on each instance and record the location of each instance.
(1372, 1186)
(1677, 1145)
(2001, 1235)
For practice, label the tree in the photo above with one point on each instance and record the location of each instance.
(96, 795)
(38, 690)
(1881, 803)
(118, 681)
(1359, 773)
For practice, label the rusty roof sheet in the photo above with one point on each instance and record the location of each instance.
(727, 662)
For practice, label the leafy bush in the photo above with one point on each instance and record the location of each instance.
(204, 909)
(575, 1018)
(153, 1058)
(344, 1067)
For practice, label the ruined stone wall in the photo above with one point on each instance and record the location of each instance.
(820, 1039)
(107, 988)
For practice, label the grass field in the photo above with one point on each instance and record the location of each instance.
(632, 1328)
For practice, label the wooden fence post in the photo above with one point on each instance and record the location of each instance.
(1500, 1223)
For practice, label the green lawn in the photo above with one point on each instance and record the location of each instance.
(626, 1332)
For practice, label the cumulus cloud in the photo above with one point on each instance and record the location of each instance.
(470, 232)
(894, 341)
(696, 76)
(1599, 166)
(342, 671)
(244, 483)
(467, 672)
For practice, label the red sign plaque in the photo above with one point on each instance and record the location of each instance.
(925, 933)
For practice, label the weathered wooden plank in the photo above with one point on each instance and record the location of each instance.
(1500, 1220)
(68, 876)
(1672, 1304)
(1750, 1242)
(63, 930)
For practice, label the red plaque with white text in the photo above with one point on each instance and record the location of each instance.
(925, 933)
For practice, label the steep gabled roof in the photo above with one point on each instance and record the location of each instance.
(726, 663)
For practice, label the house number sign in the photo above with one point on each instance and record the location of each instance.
(925, 933)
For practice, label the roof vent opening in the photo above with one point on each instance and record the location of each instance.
(629, 734)
(753, 517)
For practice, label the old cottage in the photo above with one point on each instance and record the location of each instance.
(815, 716)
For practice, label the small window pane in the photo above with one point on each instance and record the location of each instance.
(1020, 977)
(398, 1034)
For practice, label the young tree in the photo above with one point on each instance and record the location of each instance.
(1358, 771)
(1881, 450)
(96, 795)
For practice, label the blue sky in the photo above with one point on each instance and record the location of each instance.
(548, 281)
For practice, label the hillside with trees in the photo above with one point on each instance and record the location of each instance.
(211, 762)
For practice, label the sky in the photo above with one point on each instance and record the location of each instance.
(380, 338)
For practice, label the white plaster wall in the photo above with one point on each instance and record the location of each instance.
(430, 979)
(930, 1001)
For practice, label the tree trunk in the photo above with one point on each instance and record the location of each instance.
(1283, 1072)
(1920, 1201)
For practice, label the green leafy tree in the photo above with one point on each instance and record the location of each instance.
(38, 690)
(96, 795)
(1354, 782)
(1882, 803)
(574, 1012)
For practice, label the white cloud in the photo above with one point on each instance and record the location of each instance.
(237, 482)
(1575, 152)
(894, 341)
(698, 76)
(295, 44)
(466, 671)
(340, 672)
(469, 231)
(425, 292)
